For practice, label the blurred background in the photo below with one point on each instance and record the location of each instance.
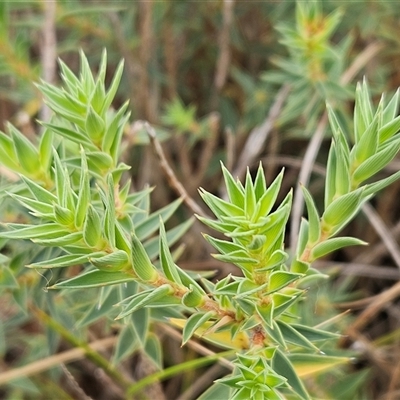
(241, 82)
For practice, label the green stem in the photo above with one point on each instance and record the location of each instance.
(91, 354)
(176, 369)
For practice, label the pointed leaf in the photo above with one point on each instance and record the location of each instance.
(94, 279)
(146, 298)
(267, 200)
(283, 366)
(342, 209)
(141, 263)
(111, 262)
(375, 187)
(375, 163)
(39, 192)
(291, 335)
(330, 245)
(218, 206)
(66, 260)
(314, 226)
(249, 197)
(313, 364)
(194, 322)
(281, 279)
(235, 191)
(47, 231)
(84, 192)
(167, 263)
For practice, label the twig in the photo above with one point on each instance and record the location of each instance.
(170, 53)
(49, 362)
(221, 71)
(169, 173)
(199, 348)
(48, 50)
(208, 151)
(304, 177)
(184, 160)
(378, 304)
(176, 369)
(78, 392)
(389, 396)
(332, 320)
(258, 136)
(91, 354)
(202, 382)
(370, 350)
(372, 254)
(360, 269)
(8, 174)
(145, 54)
(132, 66)
(383, 231)
(360, 61)
(230, 140)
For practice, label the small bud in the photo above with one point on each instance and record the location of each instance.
(94, 125)
(257, 242)
(111, 262)
(141, 263)
(193, 298)
(92, 227)
(64, 216)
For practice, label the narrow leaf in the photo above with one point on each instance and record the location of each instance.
(194, 322)
(94, 279)
(235, 191)
(314, 226)
(330, 245)
(283, 366)
(281, 279)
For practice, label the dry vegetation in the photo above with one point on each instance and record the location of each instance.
(217, 82)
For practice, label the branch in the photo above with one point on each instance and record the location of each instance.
(170, 174)
(49, 362)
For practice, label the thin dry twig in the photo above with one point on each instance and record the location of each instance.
(394, 383)
(304, 177)
(184, 160)
(380, 301)
(54, 360)
(132, 67)
(170, 174)
(145, 109)
(48, 50)
(224, 56)
(199, 348)
(78, 392)
(258, 136)
(360, 61)
(9, 175)
(391, 395)
(170, 52)
(363, 344)
(373, 253)
(210, 143)
(360, 269)
(230, 141)
(202, 382)
(383, 231)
